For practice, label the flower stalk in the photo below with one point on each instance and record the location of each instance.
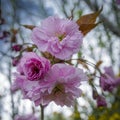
(42, 112)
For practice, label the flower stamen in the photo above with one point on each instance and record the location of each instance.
(58, 88)
(61, 37)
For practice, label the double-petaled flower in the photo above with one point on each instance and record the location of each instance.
(60, 37)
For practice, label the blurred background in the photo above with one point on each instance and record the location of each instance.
(101, 44)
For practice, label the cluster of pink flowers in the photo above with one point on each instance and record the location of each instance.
(44, 79)
(43, 82)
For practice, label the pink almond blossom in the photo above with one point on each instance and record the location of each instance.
(60, 85)
(60, 37)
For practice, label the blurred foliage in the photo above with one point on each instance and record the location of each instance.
(56, 116)
(110, 113)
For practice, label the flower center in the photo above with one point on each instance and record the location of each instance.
(36, 70)
(61, 37)
(58, 88)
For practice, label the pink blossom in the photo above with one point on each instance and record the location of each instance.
(23, 84)
(25, 117)
(60, 37)
(108, 81)
(101, 102)
(30, 73)
(32, 66)
(60, 85)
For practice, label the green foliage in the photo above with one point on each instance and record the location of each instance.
(79, 13)
(56, 116)
(76, 113)
(59, 116)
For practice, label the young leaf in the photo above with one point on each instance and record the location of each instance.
(99, 63)
(88, 22)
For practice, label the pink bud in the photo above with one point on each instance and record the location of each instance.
(15, 61)
(101, 102)
(16, 47)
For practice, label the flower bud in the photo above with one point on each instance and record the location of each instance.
(15, 61)
(101, 102)
(16, 47)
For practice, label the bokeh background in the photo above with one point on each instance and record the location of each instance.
(101, 44)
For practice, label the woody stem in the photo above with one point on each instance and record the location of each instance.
(42, 112)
